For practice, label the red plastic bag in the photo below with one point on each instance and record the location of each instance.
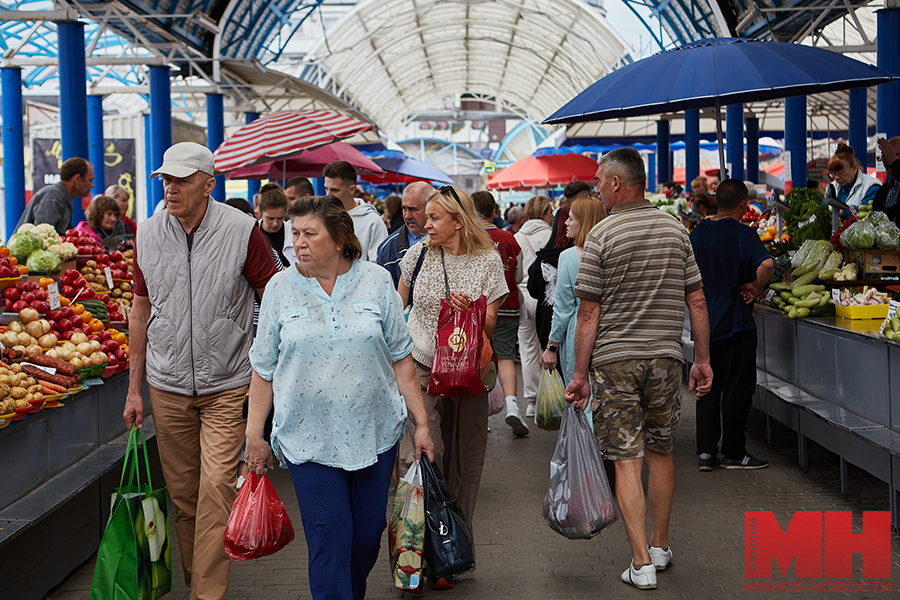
(457, 351)
(258, 525)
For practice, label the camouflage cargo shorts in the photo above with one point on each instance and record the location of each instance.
(637, 403)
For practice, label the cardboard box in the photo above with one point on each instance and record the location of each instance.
(881, 265)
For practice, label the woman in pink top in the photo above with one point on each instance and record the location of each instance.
(102, 219)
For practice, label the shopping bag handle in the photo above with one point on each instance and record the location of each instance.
(131, 451)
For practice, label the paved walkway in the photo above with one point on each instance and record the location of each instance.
(519, 557)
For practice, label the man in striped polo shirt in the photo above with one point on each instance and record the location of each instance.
(636, 273)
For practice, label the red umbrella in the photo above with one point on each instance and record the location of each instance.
(309, 164)
(283, 135)
(544, 171)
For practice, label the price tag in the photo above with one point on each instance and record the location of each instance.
(836, 296)
(50, 370)
(53, 296)
(125, 310)
(109, 281)
(769, 296)
(806, 222)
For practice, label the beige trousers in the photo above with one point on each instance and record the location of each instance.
(458, 429)
(200, 441)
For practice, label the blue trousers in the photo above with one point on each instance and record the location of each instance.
(344, 515)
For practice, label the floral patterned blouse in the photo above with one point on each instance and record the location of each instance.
(330, 360)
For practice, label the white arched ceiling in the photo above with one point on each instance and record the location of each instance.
(391, 58)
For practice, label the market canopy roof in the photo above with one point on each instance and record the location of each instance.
(392, 57)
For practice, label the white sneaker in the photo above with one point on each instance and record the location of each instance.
(514, 419)
(659, 557)
(643, 578)
(530, 411)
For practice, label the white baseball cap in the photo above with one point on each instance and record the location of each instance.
(186, 158)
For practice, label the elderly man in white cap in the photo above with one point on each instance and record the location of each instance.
(196, 267)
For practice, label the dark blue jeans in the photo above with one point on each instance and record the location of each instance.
(343, 515)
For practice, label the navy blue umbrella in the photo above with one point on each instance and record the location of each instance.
(714, 72)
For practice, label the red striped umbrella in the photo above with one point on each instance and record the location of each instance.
(283, 135)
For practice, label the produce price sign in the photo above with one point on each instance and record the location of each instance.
(53, 296)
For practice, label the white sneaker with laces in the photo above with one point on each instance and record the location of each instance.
(530, 410)
(660, 558)
(643, 578)
(514, 419)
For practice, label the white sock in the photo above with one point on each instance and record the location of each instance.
(511, 401)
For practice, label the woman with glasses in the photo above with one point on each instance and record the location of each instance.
(849, 183)
(459, 263)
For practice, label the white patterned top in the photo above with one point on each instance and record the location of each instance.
(330, 360)
(473, 274)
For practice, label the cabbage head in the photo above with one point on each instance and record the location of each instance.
(21, 245)
(43, 261)
(859, 235)
(887, 237)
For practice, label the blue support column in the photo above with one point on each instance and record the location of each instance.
(691, 147)
(888, 95)
(734, 140)
(752, 127)
(859, 124)
(253, 185)
(97, 145)
(73, 113)
(160, 128)
(795, 137)
(215, 135)
(651, 173)
(319, 185)
(663, 167)
(13, 147)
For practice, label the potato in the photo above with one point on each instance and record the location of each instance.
(91, 264)
(85, 270)
(126, 287)
(127, 295)
(39, 396)
(31, 381)
(20, 378)
(29, 397)
(6, 380)
(89, 277)
(18, 393)
(34, 389)
(116, 293)
(15, 367)
(22, 403)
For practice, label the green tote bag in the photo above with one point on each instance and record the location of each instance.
(134, 561)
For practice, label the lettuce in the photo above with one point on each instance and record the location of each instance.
(887, 237)
(859, 235)
(43, 261)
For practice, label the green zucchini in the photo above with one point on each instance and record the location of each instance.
(822, 311)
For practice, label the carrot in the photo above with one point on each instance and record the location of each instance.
(60, 365)
(58, 379)
(51, 389)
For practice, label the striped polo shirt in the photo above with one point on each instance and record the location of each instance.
(638, 264)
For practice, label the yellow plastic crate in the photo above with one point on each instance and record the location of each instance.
(867, 311)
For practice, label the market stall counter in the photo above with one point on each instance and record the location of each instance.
(55, 500)
(830, 380)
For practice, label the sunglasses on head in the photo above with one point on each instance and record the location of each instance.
(448, 189)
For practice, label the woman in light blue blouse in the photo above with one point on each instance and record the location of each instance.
(332, 352)
(583, 215)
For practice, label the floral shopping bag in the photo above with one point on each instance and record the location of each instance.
(406, 535)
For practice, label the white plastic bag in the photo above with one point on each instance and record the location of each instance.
(496, 399)
(579, 503)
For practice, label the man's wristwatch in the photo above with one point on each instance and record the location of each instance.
(553, 347)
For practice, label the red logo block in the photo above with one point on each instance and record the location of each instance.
(823, 545)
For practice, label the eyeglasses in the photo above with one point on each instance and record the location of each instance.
(448, 189)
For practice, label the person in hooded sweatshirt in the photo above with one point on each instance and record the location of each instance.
(532, 237)
(340, 182)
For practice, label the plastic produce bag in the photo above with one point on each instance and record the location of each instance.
(579, 503)
(406, 535)
(258, 525)
(877, 219)
(859, 235)
(887, 236)
(551, 401)
(457, 351)
(496, 399)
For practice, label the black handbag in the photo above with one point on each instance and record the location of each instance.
(448, 536)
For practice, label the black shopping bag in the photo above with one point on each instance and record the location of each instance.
(448, 536)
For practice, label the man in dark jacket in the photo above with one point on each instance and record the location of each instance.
(53, 203)
(886, 197)
(395, 246)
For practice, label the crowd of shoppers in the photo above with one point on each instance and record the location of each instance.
(336, 292)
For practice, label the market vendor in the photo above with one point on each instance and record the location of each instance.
(850, 184)
(53, 203)
(886, 197)
(102, 219)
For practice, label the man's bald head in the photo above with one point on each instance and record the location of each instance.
(413, 206)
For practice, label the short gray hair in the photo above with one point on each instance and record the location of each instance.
(627, 164)
(114, 190)
(515, 213)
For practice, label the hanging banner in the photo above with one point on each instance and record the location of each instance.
(788, 179)
(119, 164)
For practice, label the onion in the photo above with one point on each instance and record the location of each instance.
(34, 329)
(98, 358)
(34, 350)
(15, 327)
(52, 353)
(95, 345)
(23, 339)
(77, 363)
(69, 346)
(85, 348)
(45, 327)
(78, 337)
(27, 315)
(48, 341)
(10, 339)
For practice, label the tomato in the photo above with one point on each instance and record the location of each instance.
(13, 261)
(96, 325)
(86, 316)
(45, 281)
(63, 301)
(77, 309)
(23, 270)
(120, 338)
(4, 251)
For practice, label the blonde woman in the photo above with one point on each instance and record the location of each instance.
(533, 236)
(459, 260)
(584, 214)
